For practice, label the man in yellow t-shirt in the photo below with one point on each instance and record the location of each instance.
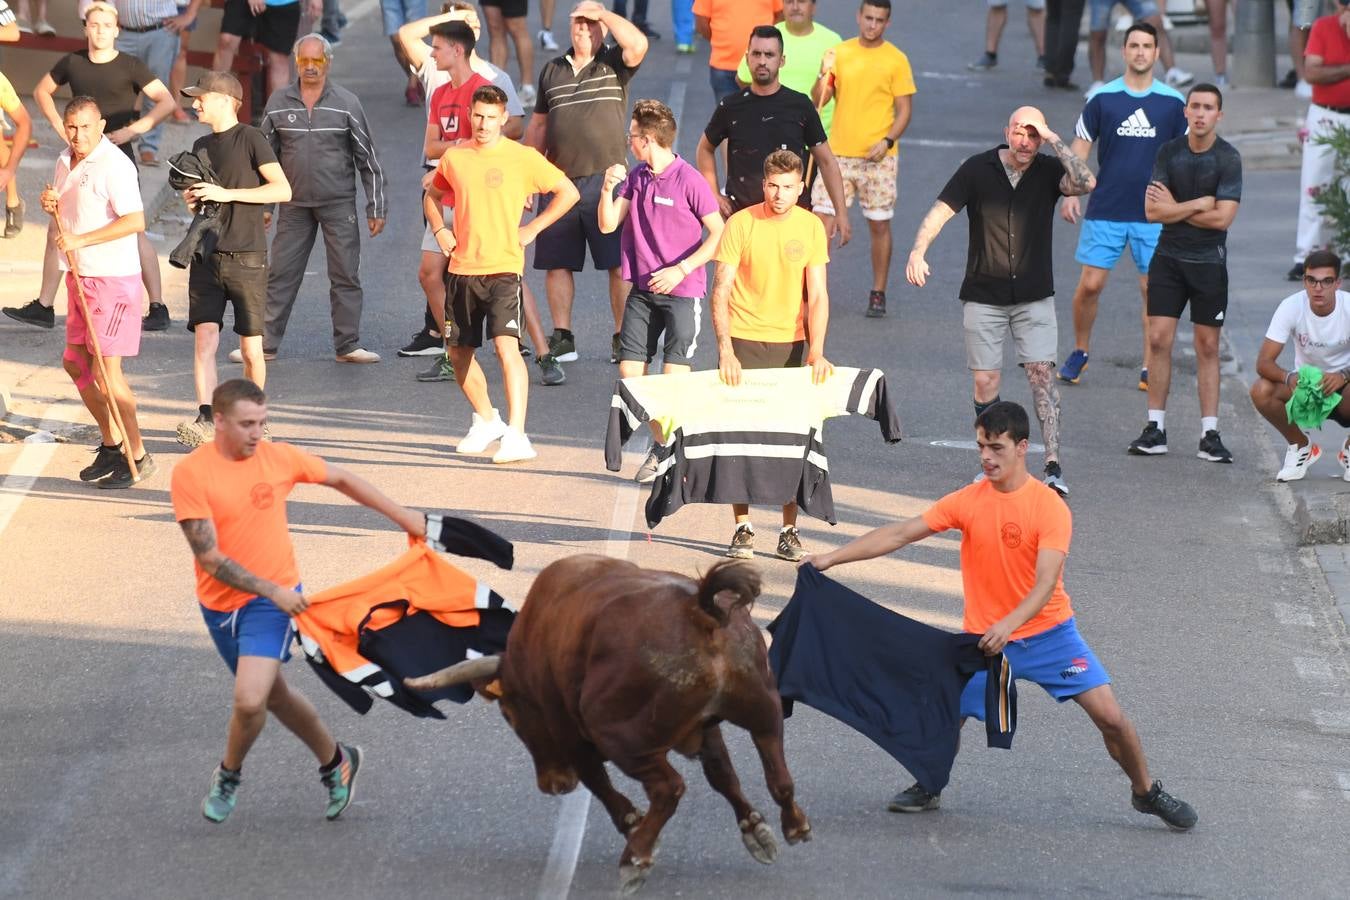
(10, 156)
(871, 83)
(768, 253)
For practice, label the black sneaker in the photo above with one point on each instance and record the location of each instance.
(914, 799)
(550, 371)
(1178, 814)
(614, 349)
(120, 477)
(32, 313)
(562, 346)
(1212, 449)
(1296, 273)
(986, 62)
(105, 461)
(157, 319)
(1289, 81)
(789, 545)
(1054, 479)
(441, 370)
(742, 543)
(423, 344)
(876, 304)
(525, 352)
(1151, 442)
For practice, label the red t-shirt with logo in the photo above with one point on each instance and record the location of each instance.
(450, 106)
(1328, 40)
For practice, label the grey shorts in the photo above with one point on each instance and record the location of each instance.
(1034, 331)
(646, 314)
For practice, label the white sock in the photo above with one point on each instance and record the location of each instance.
(1208, 423)
(1158, 417)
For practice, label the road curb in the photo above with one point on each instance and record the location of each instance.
(1321, 518)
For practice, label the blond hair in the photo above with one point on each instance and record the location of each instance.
(100, 6)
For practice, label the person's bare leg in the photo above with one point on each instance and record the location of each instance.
(987, 382)
(546, 14)
(880, 233)
(91, 394)
(1165, 54)
(496, 28)
(1162, 332)
(298, 715)
(741, 512)
(431, 275)
(1269, 399)
(559, 289)
(1045, 399)
(150, 275)
(517, 379)
(121, 394)
(254, 678)
(255, 365)
(1036, 25)
(633, 368)
(618, 296)
(1218, 36)
(471, 379)
(1122, 741)
(789, 515)
(205, 340)
(51, 270)
(520, 37)
(11, 189)
(675, 369)
(1143, 315)
(1298, 43)
(178, 77)
(1091, 282)
(278, 71)
(993, 28)
(1097, 54)
(1207, 368)
(534, 327)
(227, 45)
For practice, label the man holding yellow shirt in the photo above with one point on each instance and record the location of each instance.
(871, 83)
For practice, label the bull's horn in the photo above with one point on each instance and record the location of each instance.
(469, 670)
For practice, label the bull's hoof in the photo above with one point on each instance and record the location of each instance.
(632, 877)
(798, 835)
(758, 839)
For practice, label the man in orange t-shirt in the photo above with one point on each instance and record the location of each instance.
(1015, 535)
(726, 25)
(229, 497)
(488, 182)
(770, 255)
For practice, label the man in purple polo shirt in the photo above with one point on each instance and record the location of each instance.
(664, 206)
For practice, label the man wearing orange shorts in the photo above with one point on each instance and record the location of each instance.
(229, 497)
(97, 201)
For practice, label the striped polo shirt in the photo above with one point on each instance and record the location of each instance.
(587, 111)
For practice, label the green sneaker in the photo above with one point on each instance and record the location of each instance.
(562, 346)
(341, 781)
(441, 370)
(550, 372)
(219, 802)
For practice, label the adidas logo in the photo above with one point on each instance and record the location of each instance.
(1218, 317)
(1137, 125)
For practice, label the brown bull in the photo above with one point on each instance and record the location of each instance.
(609, 661)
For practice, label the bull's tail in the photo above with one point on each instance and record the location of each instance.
(735, 577)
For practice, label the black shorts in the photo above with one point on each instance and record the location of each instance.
(474, 300)
(235, 279)
(647, 314)
(1173, 283)
(511, 9)
(276, 28)
(768, 354)
(563, 244)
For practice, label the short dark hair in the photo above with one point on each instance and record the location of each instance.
(1205, 87)
(491, 94)
(780, 162)
(1323, 259)
(456, 33)
(1140, 26)
(879, 4)
(236, 390)
(768, 33)
(83, 101)
(655, 120)
(1005, 417)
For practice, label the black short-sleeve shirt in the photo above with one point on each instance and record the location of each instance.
(236, 154)
(753, 127)
(1009, 259)
(115, 86)
(1189, 175)
(587, 112)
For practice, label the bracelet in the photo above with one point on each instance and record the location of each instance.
(439, 230)
(1286, 378)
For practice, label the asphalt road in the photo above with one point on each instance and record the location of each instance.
(1223, 641)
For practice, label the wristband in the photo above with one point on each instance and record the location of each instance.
(439, 230)
(890, 142)
(1286, 378)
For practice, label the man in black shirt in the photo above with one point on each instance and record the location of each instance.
(1010, 194)
(235, 271)
(1196, 187)
(759, 120)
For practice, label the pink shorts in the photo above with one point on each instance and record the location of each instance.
(115, 305)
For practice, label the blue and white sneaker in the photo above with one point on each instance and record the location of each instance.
(1073, 367)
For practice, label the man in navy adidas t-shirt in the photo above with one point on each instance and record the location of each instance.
(1128, 119)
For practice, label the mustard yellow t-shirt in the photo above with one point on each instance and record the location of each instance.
(9, 100)
(771, 255)
(866, 82)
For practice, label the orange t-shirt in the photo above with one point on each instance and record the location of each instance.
(1000, 537)
(246, 501)
(731, 22)
(488, 188)
(771, 256)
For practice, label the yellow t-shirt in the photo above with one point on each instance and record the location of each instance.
(771, 256)
(866, 82)
(9, 100)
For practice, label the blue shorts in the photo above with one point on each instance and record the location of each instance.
(1100, 243)
(723, 83)
(1099, 16)
(258, 628)
(1059, 660)
(400, 12)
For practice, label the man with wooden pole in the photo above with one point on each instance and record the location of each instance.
(96, 204)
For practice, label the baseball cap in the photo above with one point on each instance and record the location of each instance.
(218, 83)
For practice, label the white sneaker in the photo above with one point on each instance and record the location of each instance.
(481, 433)
(1303, 90)
(527, 95)
(515, 447)
(1343, 457)
(1178, 77)
(1298, 460)
(1093, 88)
(546, 40)
(358, 356)
(237, 356)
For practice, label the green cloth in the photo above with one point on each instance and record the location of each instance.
(1309, 407)
(801, 63)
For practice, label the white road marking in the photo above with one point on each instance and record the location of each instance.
(1332, 721)
(361, 10)
(943, 144)
(1313, 669)
(1286, 614)
(27, 467)
(1343, 779)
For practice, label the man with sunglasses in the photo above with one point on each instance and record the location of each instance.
(1317, 319)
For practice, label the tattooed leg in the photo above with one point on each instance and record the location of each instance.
(1045, 394)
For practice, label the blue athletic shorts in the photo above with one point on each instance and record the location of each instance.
(258, 628)
(1059, 660)
(1100, 243)
(1099, 15)
(401, 12)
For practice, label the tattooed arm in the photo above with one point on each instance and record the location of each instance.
(201, 537)
(916, 270)
(1078, 178)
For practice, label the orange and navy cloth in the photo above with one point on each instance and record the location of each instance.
(893, 679)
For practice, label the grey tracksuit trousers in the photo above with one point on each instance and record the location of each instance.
(297, 228)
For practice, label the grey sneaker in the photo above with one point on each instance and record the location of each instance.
(441, 370)
(914, 799)
(219, 802)
(986, 62)
(105, 460)
(550, 372)
(341, 781)
(562, 346)
(649, 467)
(1054, 479)
(195, 432)
(34, 313)
(789, 544)
(742, 543)
(120, 477)
(1178, 814)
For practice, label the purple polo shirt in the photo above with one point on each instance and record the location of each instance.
(664, 223)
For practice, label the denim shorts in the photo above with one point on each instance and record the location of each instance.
(258, 628)
(723, 83)
(1099, 14)
(1059, 660)
(400, 12)
(1100, 243)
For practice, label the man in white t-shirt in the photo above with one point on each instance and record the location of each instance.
(1317, 318)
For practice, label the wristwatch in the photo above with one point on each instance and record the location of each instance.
(890, 141)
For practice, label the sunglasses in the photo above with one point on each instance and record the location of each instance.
(311, 61)
(1321, 282)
